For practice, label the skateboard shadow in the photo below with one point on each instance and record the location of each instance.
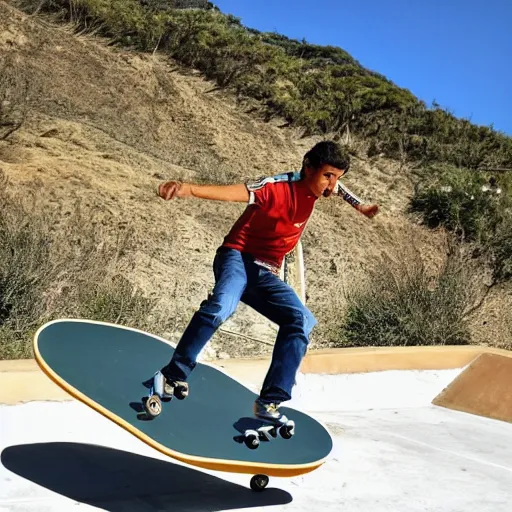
(249, 423)
(118, 481)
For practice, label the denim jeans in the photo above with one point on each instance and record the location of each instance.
(239, 278)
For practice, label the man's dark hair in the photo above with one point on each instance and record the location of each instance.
(326, 152)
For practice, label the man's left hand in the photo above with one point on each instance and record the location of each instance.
(369, 210)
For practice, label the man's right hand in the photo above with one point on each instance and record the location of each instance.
(171, 189)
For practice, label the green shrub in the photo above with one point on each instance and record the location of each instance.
(457, 199)
(400, 304)
(499, 248)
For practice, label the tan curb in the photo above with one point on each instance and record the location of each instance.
(23, 381)
(362, 360)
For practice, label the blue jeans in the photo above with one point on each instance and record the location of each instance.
(238, 277)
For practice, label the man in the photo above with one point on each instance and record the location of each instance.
(246, 268)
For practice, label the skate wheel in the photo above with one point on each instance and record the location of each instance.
(180, 393)
(153, 406)
(287, 431)
(259, 482)
(252, 441)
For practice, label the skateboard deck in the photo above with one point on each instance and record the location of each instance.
(105, 366)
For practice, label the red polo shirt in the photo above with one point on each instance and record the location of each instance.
(273, 222)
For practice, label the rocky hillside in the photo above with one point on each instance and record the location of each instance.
(104, 126)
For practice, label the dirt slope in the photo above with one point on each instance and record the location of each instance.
(106, 126)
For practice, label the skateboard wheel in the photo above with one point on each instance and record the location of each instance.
(259, 482)
(286, 431)
(153, 406)
(252, 441)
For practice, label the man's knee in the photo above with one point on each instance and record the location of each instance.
(301, 319)
(309, 321)
(217, 308)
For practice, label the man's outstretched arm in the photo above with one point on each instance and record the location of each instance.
(369, 210)
(171, 189)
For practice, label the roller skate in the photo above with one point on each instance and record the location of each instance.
(272, 424)
(163, 390)
(265, 411)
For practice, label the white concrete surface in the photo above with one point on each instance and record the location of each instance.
(393, 452)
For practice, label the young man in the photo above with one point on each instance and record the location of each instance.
(246, 268)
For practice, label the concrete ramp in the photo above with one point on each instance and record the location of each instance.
(483, 388)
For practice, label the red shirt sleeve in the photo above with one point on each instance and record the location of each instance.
(264, 197)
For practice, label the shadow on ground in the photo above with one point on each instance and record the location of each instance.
(115, 480)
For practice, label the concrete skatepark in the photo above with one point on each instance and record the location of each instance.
(414, 429)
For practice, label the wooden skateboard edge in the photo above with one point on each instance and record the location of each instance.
(223, 465)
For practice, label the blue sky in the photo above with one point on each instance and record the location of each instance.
(458, 53)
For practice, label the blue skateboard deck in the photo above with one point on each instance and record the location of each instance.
(106, 366)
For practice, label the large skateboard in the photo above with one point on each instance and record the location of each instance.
(107, 367)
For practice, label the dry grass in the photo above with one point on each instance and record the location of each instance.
(14, 98)
(55, 265)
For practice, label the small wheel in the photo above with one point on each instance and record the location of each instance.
(259, 482)
(153, 406)
(252, 441)
(181, 393)
(286, 431)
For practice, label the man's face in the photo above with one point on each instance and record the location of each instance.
(322, 181)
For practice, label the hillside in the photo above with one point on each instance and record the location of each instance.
(104, 126)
